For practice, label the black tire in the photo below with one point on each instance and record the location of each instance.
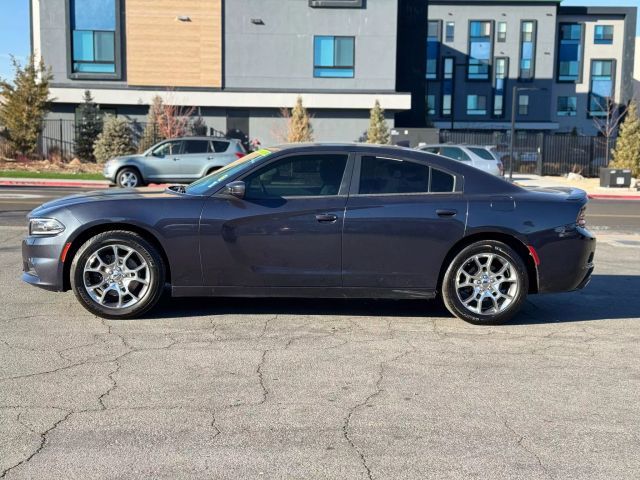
(454, 303)
(128, 240)
(129, 178)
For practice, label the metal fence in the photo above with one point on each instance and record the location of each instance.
(540, 153)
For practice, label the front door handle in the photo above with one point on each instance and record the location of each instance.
(445, 212)
(326, 217)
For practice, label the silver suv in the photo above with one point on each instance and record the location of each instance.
(178, 160)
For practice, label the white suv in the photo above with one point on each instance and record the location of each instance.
(477, 156)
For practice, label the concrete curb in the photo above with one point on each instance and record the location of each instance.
(34, 182)
(604, 196)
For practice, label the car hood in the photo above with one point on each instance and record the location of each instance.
(104, 195)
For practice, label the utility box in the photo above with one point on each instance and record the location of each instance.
(615, 177)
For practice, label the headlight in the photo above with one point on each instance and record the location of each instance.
(45, 226)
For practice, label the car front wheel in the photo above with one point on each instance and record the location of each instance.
(129, 178)
(117, 274)
(486, 283)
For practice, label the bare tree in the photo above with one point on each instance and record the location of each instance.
(608, 123)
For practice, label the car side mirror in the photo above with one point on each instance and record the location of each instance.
(236, 189)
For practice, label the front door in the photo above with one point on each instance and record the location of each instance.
(402, 218)
(285, 232)
(163, 162)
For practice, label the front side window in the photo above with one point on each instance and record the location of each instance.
(603, 35)
(570, 52)
(567, 106)
(602, 87)
(433, 49)
(479, 50)
(523, 105)
(483, 153)
(93, 36)
(167, 148)
(298, 176)
(333, 57)
(527, 49)
(476, 105)
(381, 175)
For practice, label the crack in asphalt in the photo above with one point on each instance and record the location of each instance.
(346, 426)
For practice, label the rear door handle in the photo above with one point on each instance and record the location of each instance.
(326, 217)
(211, 158)
(443, 212)
(175, 159)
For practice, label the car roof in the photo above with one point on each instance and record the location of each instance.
(204, 137)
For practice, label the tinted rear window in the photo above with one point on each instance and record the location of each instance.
(482, 153)
(195, 146)
(441, 182)
(385, 175)
(219, 146)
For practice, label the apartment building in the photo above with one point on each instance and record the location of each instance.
(239, 62)
(566, 63)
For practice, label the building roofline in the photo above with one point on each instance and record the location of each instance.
(576, 10)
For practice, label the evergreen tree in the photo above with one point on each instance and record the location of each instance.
(627, 151)
(114, 141)
(151, 133)
(23, 104)
(300, 129)
(88, 127)
(378, 131)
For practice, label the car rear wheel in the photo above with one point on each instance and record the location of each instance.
(117, 274)
(486, 283)
(129, 178)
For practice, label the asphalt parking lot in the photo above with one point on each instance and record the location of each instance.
(322, 389)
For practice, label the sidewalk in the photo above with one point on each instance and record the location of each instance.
(590, 185)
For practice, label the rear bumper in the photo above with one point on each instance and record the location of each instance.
(566, 260)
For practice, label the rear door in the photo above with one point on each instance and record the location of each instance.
(194, 158)
(402, 218)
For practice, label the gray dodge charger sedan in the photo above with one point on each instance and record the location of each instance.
(324, 220)
(180, 160)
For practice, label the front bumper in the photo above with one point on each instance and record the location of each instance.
(109, 172)
(41, 262)
(566, 259)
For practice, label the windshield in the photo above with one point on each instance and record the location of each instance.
(218, 178)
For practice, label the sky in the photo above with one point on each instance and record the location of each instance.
(14, 28)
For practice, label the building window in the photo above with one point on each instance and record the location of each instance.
(567, 106)
(433, 49)
(450, 31)
(603, 35)
(479, 50)
(501, 73)
(602, 87)
(476, 105)
(431, 104)
(502, 32)
(333, 57)
(523, 105)
(527, 49)
(93, 37)
(448, 67)
(570, 52)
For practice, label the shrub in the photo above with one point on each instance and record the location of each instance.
(114, 141)
(378, 131)
(88, 128)
(627, 151)
(299, 127)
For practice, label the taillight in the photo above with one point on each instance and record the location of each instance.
(581, 221)
(240, 154)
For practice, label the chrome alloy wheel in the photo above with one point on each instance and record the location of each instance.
(129, 179)
(116, 276)
(487, 283)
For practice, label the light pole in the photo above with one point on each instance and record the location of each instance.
(514, 99)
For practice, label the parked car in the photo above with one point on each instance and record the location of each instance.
(328, 221)
(180, 160)
(477, 156)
